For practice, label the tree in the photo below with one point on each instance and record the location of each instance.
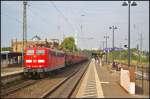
(68, 44)
(7, 49)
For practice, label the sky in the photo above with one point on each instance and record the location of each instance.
(58, 19)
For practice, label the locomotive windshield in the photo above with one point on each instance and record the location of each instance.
(40, 52)
(30, 52)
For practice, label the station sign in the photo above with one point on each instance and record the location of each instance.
(110, 49)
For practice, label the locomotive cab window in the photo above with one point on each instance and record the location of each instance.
(30, 52)
(40, 52)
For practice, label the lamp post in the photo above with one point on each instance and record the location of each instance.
(102, 44)
(106, 37)
(113, 28)
(76, 34)
(129, 4)
(82, 24)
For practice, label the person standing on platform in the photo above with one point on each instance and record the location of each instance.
(97, 60)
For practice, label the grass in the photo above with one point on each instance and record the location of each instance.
(122, 57)
(133, 62)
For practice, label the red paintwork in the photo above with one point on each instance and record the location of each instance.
(51, 61)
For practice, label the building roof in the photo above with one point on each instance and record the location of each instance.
(36, 38)
(5, 52)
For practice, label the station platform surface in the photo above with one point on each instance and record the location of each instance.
(11, 70)
(99, 82)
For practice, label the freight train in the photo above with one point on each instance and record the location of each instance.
(41, 60)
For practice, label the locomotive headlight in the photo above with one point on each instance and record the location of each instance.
(41, 61)
(28, 61)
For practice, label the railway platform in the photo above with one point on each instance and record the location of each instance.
(100, 82)
(11, 70)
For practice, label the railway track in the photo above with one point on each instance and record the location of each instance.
(5, 79)
(67, 86)
(43, 86)
(14, 82)
(12, 89)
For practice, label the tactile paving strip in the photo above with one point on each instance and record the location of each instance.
(90, 87)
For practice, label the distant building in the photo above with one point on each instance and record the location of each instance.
(95, 49)
(36, 38)
(17, 45)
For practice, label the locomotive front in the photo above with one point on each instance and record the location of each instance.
(35, 60)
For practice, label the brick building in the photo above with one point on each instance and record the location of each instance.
(17, 45)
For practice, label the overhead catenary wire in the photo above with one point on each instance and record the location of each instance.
(18, 21)
(15, 19)
(78, 24)
(64, 17)
(39, 15)
(42, 18)
(77, 27)
(36, 14)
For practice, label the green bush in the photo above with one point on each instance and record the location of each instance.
(123, 55)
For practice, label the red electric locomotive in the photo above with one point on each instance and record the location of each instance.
(42, 60)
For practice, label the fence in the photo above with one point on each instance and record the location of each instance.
(142, 80)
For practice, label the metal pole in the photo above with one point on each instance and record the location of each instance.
(25, 22)
(103, 44)
(100, 45)
(141, 41)
(129, 35)
(23, 33)
(141, 62)
(24, 28)
(113, 40)
(82, 23)
(120, 51)
(106, 47)
(113, 37)
(113, 43)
